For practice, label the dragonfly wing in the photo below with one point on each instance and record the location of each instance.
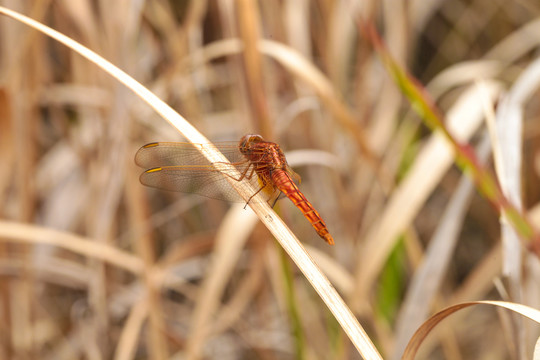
(161, 154)
(182, 167)
(203, 180)
(296, 178)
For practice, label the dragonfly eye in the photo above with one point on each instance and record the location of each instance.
(247, 140)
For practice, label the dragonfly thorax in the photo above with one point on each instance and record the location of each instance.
(265, 155)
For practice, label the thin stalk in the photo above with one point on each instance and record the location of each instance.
(466, 158)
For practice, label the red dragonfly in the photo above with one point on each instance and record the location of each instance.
(177, 166)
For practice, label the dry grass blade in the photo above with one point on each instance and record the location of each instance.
(248, 18)
(230, 240)
(286, 238)
(462, 74)
(313, 157)
(429, 276)
(430, 165)
(320, 283)
(303, 70)
(335, 271)
(425, 329)
(465, 158)
(131, 271)
(517, 43)
(32, 234)
(507, 140)
(507, 135)
(127, 345)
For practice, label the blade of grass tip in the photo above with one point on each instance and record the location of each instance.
(465, 157)
(268, 217)
(425, 329)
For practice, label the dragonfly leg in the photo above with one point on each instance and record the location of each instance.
(258, 191)
(276, 199)
(250, 174)
(244, 172)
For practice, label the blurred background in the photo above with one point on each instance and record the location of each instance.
(93, 265)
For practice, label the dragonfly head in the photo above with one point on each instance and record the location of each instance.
(247, 141)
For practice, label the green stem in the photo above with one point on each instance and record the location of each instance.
(466, 158)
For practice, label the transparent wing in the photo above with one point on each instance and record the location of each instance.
(181, 167)
(160, 154)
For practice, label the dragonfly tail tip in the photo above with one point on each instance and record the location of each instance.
(329, 239)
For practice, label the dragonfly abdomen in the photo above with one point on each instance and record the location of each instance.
(285, 184)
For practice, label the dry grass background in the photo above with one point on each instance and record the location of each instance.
(95, 266)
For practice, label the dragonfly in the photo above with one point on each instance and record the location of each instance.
(180, 166)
